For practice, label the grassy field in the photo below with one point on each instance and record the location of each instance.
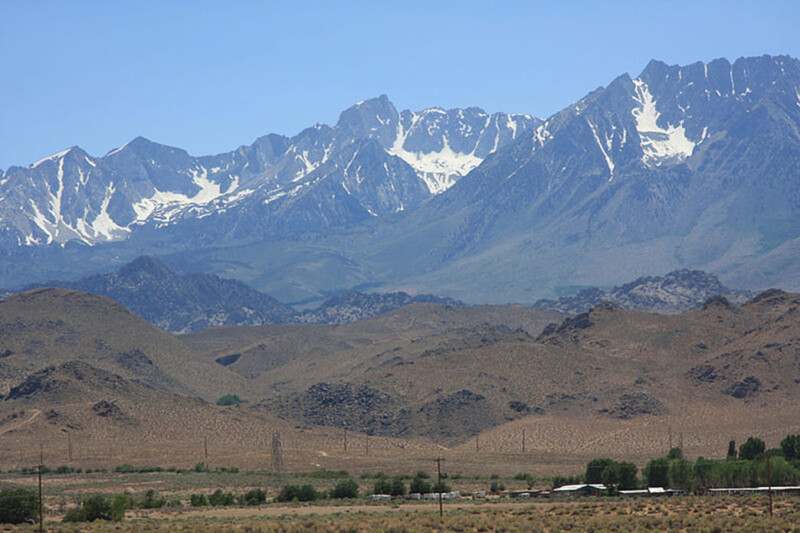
(685, 514)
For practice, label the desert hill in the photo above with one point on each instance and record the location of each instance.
(608, 363)
(48, 326)
(291, 358)
(83, 416)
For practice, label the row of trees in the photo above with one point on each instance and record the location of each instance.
(744, 467)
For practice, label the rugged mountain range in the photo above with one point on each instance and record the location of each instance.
(355, 305)
(676, 292)
(680, 167)
(375, 161)
(424, 370)
(182, 303)
(610, 378)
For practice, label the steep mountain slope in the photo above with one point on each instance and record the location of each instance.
(181, 303)
(591, 198)
(46, 327)
(676, 292)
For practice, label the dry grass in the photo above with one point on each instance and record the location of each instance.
(690, 514)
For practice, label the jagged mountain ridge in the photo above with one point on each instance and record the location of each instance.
(676, 292)
(377, 161)
(680, 167)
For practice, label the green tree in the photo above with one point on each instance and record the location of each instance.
(752, 448)
(152, 500)
(219, 498)
(347, 488)
(703, 469)
(681, 474)
(94, 508)
(627, 476)
(393, 487)
(198, 500)
(675, 453)
(657, 472)
(732, 449)
(17, 506)
(791, 447)
(595, 468)
(441, 486)
(229, 399)
(290, 493)
(527, 478)
(420, 484)
(118, 506)
(253, 497)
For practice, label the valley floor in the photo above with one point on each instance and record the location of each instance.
(682, 514)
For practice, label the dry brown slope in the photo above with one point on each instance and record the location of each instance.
(607, 364)
(290, 358)
(49, 326)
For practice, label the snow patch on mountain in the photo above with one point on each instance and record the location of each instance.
(660, 146)
(50, 158)
(163, 206)
(439, 170)
(603, 149)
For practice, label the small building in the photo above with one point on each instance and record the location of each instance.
(756, 490)
(650, 491)
(583, 489)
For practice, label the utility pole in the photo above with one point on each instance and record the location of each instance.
(205, 447)
(523, 440)
(41, 504)
(769, 487)
(477, 443)
(366, 442)
(277, 453)
(69, 445)
(439, 488)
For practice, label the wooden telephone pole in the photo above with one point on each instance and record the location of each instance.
(439, 488)
(769, 487)
(523, 440)
(41, 503)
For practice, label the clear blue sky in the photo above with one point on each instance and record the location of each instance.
(210, 76)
